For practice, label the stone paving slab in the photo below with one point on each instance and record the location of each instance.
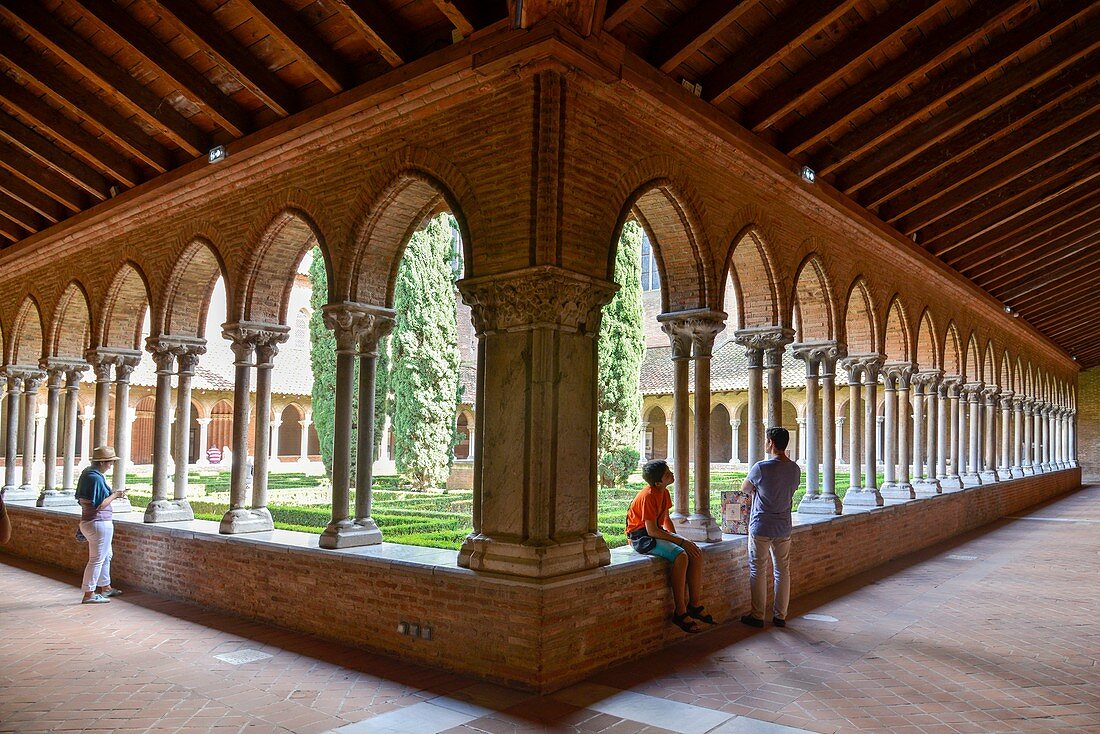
(992, 632)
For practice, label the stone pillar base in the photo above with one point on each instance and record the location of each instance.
(350, 534)
(121, 505)
(1044, 468)
(1016, 472)
(971, 479)
(700, 529)
(926, 488)
(19, 494)
(244, 520)
(1003, 473)
(857, 497)
(1028, 471)
(482, 553)
(951, 483)
(989, 476)
(54, 498)
(897, 493)
(169, 511)
(820, 505)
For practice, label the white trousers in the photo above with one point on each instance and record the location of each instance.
(780, 550)
(99, 534)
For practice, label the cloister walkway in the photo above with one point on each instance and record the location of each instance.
(993, 631)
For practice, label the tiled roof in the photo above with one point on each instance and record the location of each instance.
(728, 370)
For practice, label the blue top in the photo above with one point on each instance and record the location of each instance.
(91, 490)
(775, 482)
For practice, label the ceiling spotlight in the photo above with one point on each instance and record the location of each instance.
(808, 174)
(1015, 314)
(1008, 309)
(216, 154)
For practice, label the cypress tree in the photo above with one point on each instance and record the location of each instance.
(621, 350)
(424, 357)
(322, 355)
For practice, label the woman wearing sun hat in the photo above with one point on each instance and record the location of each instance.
(97, 525)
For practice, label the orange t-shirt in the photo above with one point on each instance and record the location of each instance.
(649, 504)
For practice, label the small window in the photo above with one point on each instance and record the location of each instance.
(651, 278)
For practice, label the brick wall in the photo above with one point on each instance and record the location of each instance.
(535, 635)
(1088, 423)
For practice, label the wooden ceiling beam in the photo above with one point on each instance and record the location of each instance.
(693, 31)
(1062, 321)
(789, 30)
(108, 76)
(618, 11)
(1073, 246)
(11, 231)
(839, 61)
(191, 83)
(469, 15)
(377, 25)
(1057, 178)
(84, 104)
(935, 49)
(1002, 176)
(997, 94)
(91, 149)
(1040, 219)
(21, 214)
(42, 178)
(32, 197)
(301, 41)
(50, 155)
(205, 33)
(984, 265)
(1026, 295)
(960, 78)
(947, 177)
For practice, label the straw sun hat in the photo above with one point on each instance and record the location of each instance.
(103, 453)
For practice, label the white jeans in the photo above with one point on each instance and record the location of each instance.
(99, 534)
(780, 550)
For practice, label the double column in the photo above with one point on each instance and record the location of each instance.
(29, 380)
(253, 345)
(972, 391)
(926, 426)
(988, 420)
(692, 336)
(863, 492)
(764, 349)
(1029, 456)
(896, 487)
(1017, 467)
(11, 428)
(172, 353)
(358, 329)
(104, 361)
(1004, 459)
(820, 359)
(59, 371)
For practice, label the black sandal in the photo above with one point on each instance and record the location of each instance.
(698, 613)
(682, 621)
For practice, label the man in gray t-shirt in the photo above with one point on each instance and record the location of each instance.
(772, 484)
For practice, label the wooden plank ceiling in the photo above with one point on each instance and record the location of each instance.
(970, 126)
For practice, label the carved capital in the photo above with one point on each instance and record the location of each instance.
(769, 340)
(692, 332)
(358, 327)
(899, 373)
(15, 380)
(32, 379)
(73, 375)
(869, 366)
(972, 391)
(540, 297)
(822, 355)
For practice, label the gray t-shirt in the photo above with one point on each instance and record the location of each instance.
(776, 482)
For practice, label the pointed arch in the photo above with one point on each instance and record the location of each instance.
(749, 264)
(27, 348)
(989, 367)
(123, 312)
(860, 329)
(928, 357)
(952, 351)
(190, 287)
(412, 198)
(812, 313)
(896, 339)
(269, 277)
(1004, 372)
(672, 225)
(71, 330)
(1029, 387)
(972, 365)
(1018, 377)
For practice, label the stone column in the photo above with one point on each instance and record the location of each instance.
(839, 450)
(54, 375)
(160, 509)
(950, 479)
(86, 437)
(1063, 454)
(735, 440)
(754, 452)
(798, 441)
(72, 414)
(643, 429)
(773, 366)
(1048, 442)
(702, 327)
(1004, 465)
(102, 365)
(267, 346)
(303, 450)
(187, 356)
(670, 444)
(758, 341)
(855, 412)
(919, 450)
(989, 395)
(124, 365)
(1073, 439)
(905, 425)
(369, 338)
(11, 429)
(972, 476)
(204, 439)
(274, 426)
(820, 368)
(32, 378)
(1016, 467)
(1040, 446)
(925, 483)
(868, 495)
(1026, 409)
(680, 437)
(890, 490)
(535, 477)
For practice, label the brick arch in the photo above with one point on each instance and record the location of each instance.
(1004, 371)
(1018, 377)
(269, 277)
(972, 364)
(27, 344)
(812, 301)
(750, 265)
(896, 340)
(951, 349)
(671, 222)
(189, 288)
(1029, 384)
(860, 328)
(124, 308)
(928, 357)
(71, 330)
(412, 197)
(989, 367)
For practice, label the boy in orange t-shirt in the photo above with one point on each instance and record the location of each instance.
(651, 532)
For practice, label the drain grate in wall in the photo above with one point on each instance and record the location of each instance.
(240, 657)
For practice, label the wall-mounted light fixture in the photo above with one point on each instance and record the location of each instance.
(808, 174)
(216, 154)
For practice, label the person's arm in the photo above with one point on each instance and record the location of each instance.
(111, 496)
(662, 529)
(5, 521)
(748, 487)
